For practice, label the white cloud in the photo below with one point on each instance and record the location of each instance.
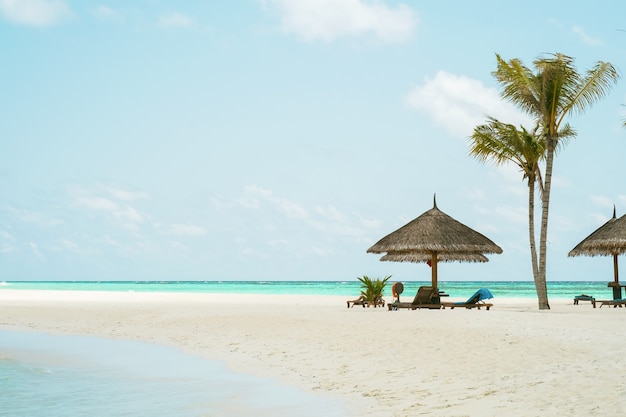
(458, 103)
(68, 245)
(330, 221)
(6, 235)
(327, 20)
(250, 203)
(289, 208)
(122, 214)
(34, 12)
(27, 216)
(6, 248)
(35, 249)
(125, 195)
(255, 190)
(128, 214)
(373, 224)
(331, 213)
(322, 251)
(97, 203)
(176, 20)
(273, 222)
(587, 40)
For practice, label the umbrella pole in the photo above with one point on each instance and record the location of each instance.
(617, 288)
(433, 265)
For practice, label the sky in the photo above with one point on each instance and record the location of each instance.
(280, 139)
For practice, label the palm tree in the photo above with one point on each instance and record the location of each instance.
(373, 290)
(501, 143)
(550, 94)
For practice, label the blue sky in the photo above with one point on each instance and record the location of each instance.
(277, 139)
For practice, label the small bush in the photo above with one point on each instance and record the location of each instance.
(373, 289)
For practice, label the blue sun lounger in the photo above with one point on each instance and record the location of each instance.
(584, 297)
(615, 303)
(477, 300)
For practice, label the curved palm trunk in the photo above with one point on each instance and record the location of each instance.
(540, 280)
(531, 228)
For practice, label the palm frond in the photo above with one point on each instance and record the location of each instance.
(595, 85)
(502, 142)
(520, 85)
(373, 289)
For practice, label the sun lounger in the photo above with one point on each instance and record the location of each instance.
(361, 301)
(583, 297)
(615, 303)
(477, 300)
(424, 298)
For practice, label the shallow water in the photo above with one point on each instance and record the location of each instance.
(77, 376)
(509, 289)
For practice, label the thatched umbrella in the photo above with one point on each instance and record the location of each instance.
(608, 240)
(434, 236)
(426, 257)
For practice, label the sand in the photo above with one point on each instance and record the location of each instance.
(513, 360)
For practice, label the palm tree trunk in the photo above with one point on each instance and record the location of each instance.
(540, 280)
(531, 228)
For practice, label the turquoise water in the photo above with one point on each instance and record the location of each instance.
(77, 376)
(517, 289)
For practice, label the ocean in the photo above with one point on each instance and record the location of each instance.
(76, 376)
(504, 289)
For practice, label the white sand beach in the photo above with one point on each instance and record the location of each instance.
(513, 360)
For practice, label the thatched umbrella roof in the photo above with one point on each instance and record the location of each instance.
(435, 231)
(442, 257)
(608, 240)
(435, 236)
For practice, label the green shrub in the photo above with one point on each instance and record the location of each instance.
(373, 289)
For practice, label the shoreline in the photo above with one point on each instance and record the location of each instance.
(500, 289)
(513, 359)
